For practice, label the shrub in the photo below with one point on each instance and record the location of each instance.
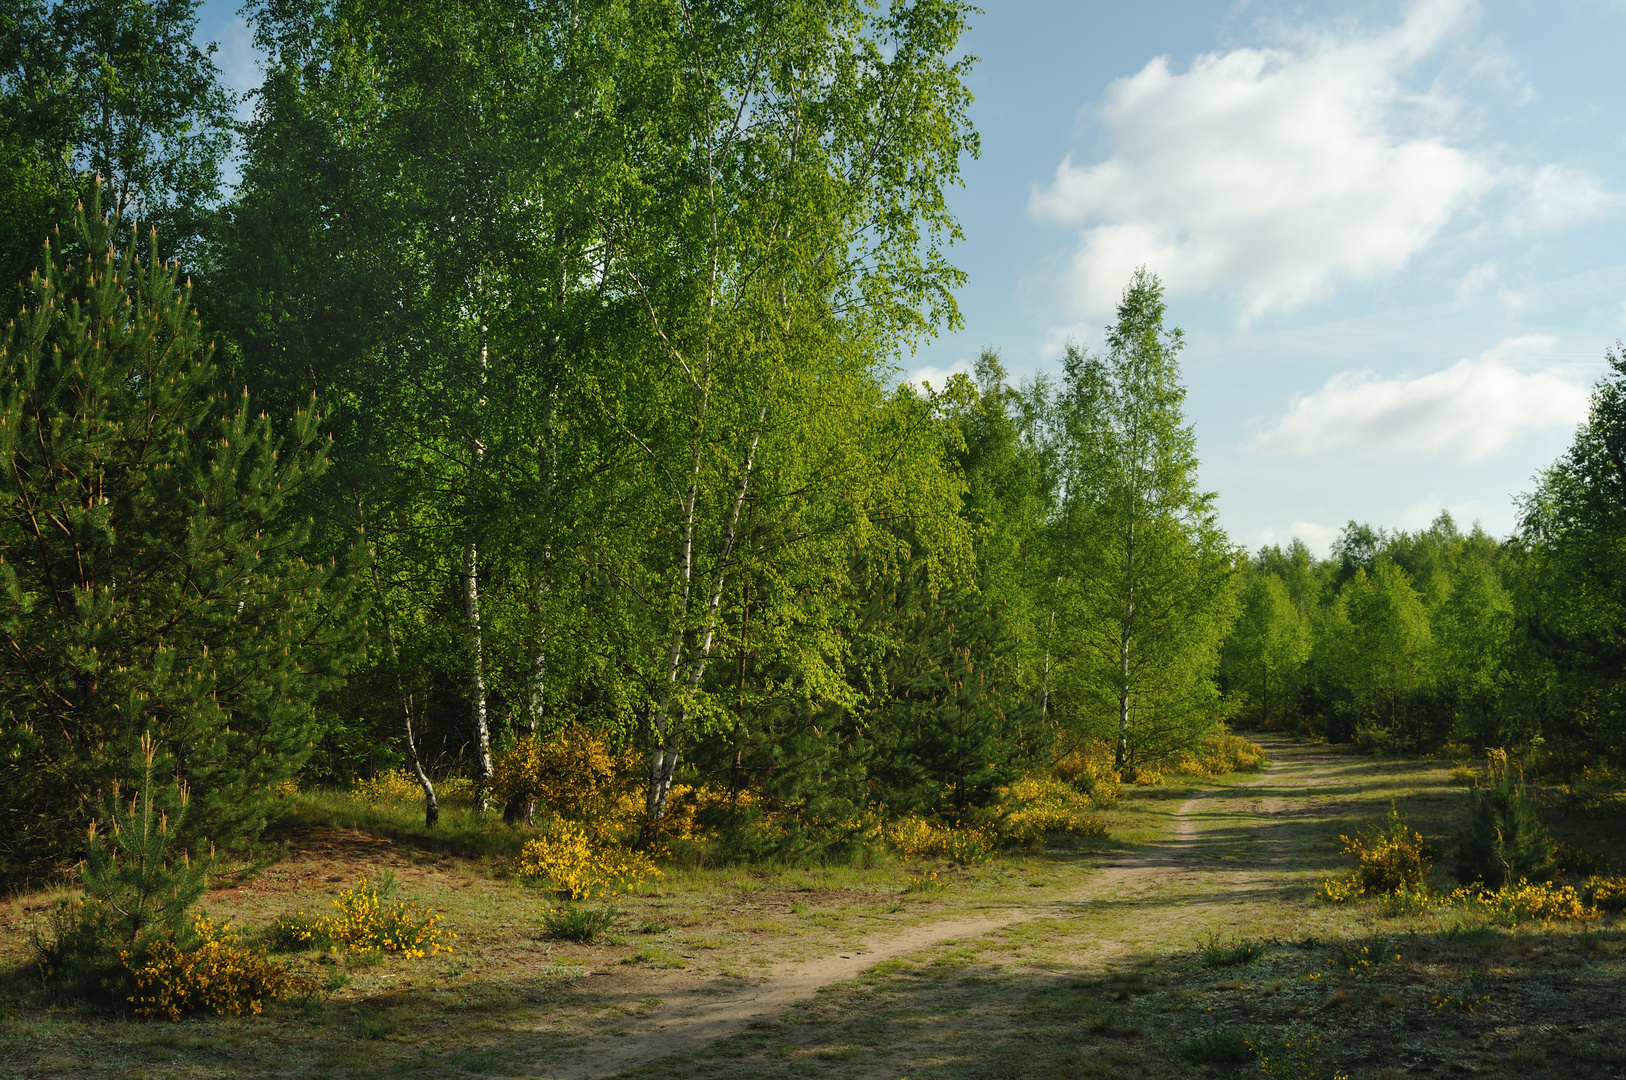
(1525, 901)
(1505, 840)
(571, 923)
(136, 895)
(1039, 806)
(1295, 1055)
(389, 786)
(1090, 769)
(1392, 859)
(565, 859)
(577, 776)
(915, 837)
(1221, 754)
(1606, 892)
(368, 919)
(1227, 1046)
(220, 976)
(1233, 953)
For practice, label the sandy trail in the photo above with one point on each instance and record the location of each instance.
(692, 1017)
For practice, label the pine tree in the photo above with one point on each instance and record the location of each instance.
(149, 580)
(135, 880)
(1505, 842)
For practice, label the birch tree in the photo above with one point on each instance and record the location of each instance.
(1143, 568)
(781, 234)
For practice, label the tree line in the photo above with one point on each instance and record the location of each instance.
(539, 367)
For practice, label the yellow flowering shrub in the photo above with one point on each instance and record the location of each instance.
(1089, 768)
(1038, 806)
(219, 976)
(578, 776)
(1221, 754)
(391, 785)
(914, 837)
(1392, 858)
(565, 859)
(1526, 901)
(368, 919)
(1607, 892)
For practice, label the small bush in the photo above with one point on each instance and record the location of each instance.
(1358, 957)
(1295, 1055)
(575, 774)
(1533, 901)
(916, 838)
(1221, 754)
(368, 919)
(1232, 953)
(1090, 770)
(571, 923)
(1605, 892)
(219, 976)
(1505, 840)
(1227, 1046)
(1392, 859)
(566, 860)
(1038, 806)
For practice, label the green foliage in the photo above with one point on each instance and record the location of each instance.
(151, 581)
(1142, 570)
(573, 922)
(1505, 842)
(113, 89)
(1229, 953)
(1225, 1046)
(138, 890)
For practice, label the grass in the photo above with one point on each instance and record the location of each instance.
(1105, 987)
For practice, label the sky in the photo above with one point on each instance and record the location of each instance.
(1394, 233)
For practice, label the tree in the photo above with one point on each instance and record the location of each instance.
(1142, 566)
(1267, 649)
(151, 582)
(115, 89)
(1378, 645)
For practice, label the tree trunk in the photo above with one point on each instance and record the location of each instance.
(669, 729)
(471, 612)
(431, 808)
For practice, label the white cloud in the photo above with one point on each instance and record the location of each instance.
(1318, 538)
(1272, 174)
(1470, 410)
(936, 378)
(1423, 514)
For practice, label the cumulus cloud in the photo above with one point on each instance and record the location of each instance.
(1318, 538)
(1470, 410)
(935, 378)
(1273, 174)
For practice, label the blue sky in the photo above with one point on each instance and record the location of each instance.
(1395, 233)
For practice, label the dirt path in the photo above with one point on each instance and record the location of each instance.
(692, 1017)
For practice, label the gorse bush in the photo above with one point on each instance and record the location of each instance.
(1038, 806)
(1605, 892)
(576, 775)
(1221, 754)
(220, 975)
(1089, 768)
(1392, 859)
(368, 918)
(567, 861)
(915, 837)
(1525, 901)
(1505, 841)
